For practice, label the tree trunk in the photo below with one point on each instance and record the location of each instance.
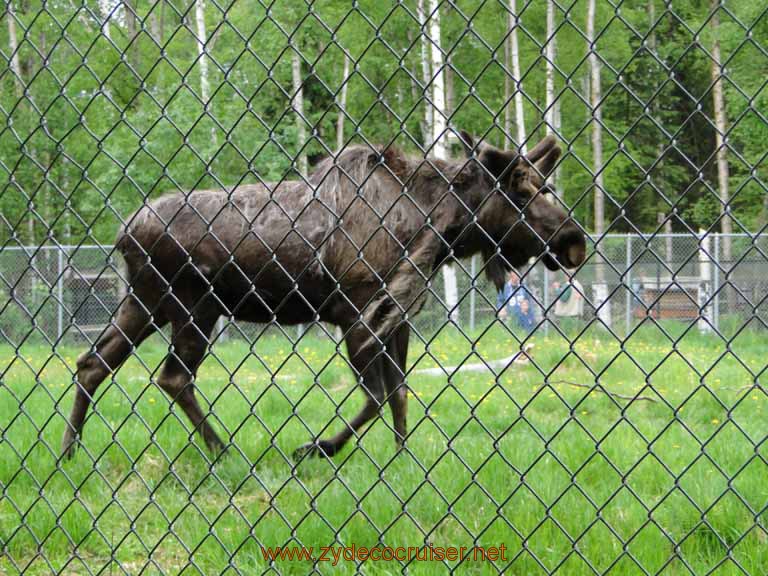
(205, 88)
(721, 127)
(342, 106)
(438, 83)
(658, 72)
(514, 52)
(426, 75)
(597, 117)
(156, 21)
(298, 107)
(129, 6)
(507, 141)
(162, 21)
(440, 147)
(552, 113)
(13, 48)
(105, 7)
(600, 289)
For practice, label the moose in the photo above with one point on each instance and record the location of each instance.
(355, 245)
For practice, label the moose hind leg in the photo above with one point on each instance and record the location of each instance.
(370, 368)
(190, 342)
(131, 325)
(397, 392)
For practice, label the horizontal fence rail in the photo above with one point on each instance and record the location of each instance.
(415, 287)
(74, 290)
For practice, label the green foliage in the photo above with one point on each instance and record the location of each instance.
(96, 125)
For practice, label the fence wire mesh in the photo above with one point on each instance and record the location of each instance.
(237, 215)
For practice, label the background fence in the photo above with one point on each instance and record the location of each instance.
(629, 439)
(60, 293)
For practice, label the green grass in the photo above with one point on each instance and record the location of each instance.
(565, 478)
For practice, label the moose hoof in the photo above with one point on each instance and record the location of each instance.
(317, 449)
(68, 445)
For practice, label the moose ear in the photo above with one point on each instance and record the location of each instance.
(499, 163)
(467, 142)
(546, 164)
(541, 149)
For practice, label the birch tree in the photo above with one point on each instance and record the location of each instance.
(597, 119)
(157, 21)
(439, 136)
(512, 50)
(297, 103)
(133, 27)
(342, 106)
(426, 74)
(13, 48)
(721, 127)
(552, 113)
(106, 7)
(205, 88)
(601, 289)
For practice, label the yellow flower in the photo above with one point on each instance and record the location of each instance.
(715, 421)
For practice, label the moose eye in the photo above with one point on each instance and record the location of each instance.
(518, 174)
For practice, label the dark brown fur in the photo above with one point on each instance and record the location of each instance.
(354, 247)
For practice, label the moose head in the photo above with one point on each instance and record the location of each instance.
(520, 219)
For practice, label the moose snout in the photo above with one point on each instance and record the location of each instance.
(569, 247)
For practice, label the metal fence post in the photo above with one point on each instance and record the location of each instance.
(60, 293)
(705, 283)
(472, 295)
(628, 282)
(716, 282)
(546, 301)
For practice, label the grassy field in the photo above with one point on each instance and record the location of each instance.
(568, 479)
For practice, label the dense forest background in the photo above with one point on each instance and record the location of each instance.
(105, 104)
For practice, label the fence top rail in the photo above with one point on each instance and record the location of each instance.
(613, 236)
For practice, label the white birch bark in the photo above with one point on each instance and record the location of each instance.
(514, 48)
(552, 114)
(439, 137)
(205, 88)
(342, 106)
(13, 48)
(723, 169)
(597, 117)
(508, 87)
(601, 288)
(426, 74)
(106, 7)
(438, 83)
(155, 21)
(298, 107)
(721, 127)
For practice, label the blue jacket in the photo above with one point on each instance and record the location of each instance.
(511, 296)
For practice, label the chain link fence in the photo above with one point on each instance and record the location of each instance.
(584, 373)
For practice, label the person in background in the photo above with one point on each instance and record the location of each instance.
(525, 317)
(569, 299)
(510, 298)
